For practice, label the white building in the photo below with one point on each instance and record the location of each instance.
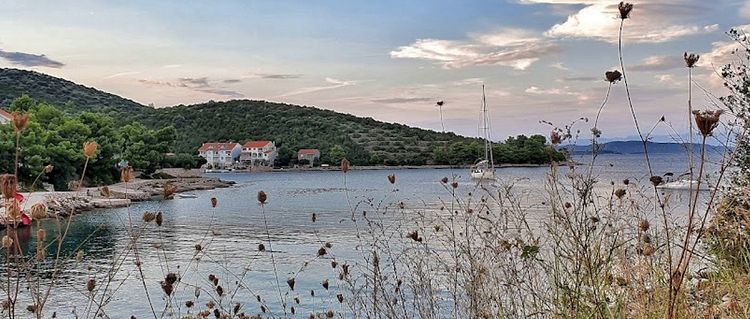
(5, 117)
(259, 153)
(220, 155)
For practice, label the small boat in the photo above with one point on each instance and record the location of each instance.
(187, 195)
(683, 184)
(484, 170)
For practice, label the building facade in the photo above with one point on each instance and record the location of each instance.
(258, 153)
(5, 117)
(220, 155)
(311, 155)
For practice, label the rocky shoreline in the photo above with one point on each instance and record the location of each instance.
(63, 204)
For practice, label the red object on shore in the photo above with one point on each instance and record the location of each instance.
(25, 220)
(20, 197)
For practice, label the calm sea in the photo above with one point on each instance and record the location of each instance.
(231, 232)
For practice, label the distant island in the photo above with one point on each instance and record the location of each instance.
(636, 147)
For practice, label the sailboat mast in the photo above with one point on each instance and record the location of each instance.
(485, 123)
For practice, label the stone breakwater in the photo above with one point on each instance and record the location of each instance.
(64, 204)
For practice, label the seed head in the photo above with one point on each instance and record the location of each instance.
(8, 185)
(290, 282)
(620, 193)
(41, 235)
(89, 149)
(149, 217)
(392, 179)
(262, 197)
(626, 181)
(707, 121)
(104, 191)
(340, 297)
(624, 9)
(414, 235)
(39, 211)
(555, 138)
(613, 76)
(79, 255)
(325, 284)
(344, 165)
(7, 241)
(321, 251)
(656, 180)
(454, 185)
(126, 174)
(48, 169)
(91, 285)
(169, 190)
(691, 59)
(159, 219)
(643, 224)
(19, 121)
(13, 210)
(189, 304)
(314, 217)
(214, 202)
(444, 180)
(261, 247)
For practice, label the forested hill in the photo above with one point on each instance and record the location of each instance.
(361, 140)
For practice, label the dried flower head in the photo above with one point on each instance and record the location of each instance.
(91, 285)
(8, 185)
(624, 9)
(48, 169)
(344, 165)
(19, 121)
(168, 288)
(314, 217)
(126, 174)
(214, 202)
(41, 235)
(643, 224)
(613, 76)
(149, 217)
(392, 179)
(159, 219)
(454, 185)
(444, 180)
(414, 235)
(707, 121)
(290, 282)
(620, 193)
(626, 181)
(340, 297)
(7, 241)
(691, 59)
(656, 180)
(13, 210)
(555, 138)
(79, 255)
(262, 197)
(89, 149)
(325, 284)
(104, 191)
(168, 191)
(261, 247)
(39, 211)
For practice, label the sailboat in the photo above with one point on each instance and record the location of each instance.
(485, 169)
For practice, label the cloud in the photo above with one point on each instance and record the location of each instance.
(652, 21)
(335, 84)
(560, 66)
(582, 79)
(402, 100)
(722, 52)
(659, 63)
(534, 90)
(273, 76)
(232, 81)
(28, 59)
(201, 84)
(117, 75)
(516, 48)
(745, 10)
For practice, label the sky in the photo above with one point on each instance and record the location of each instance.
(389, 59)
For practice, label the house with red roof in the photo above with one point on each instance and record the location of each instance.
(5, 117)
(220, 155)
(308, 154)
(259, 153)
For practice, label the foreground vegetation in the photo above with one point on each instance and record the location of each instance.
(622, 250)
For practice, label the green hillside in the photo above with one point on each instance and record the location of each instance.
(361, 140)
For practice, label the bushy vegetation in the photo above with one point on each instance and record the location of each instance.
(55, 138)
(363, 141)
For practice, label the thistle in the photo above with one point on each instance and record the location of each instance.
(392, 179)
(691, 59)
(707, 121)
(126, 174)
(555, 138)
(8, 185)
(262, 197)
(613, 76)
(7, 241)
(214, 202)
(620, 193)
(624, 9)
(643, 225)
(169, 190)
(19, 121)
(89, 149)
(290, 282)
(344, 165)
(91, 285)
(39, 211)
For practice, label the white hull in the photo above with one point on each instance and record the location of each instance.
(683, 184)
(187, 196)
(485, 175)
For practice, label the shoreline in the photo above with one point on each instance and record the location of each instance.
(378, 167)
(66, 203)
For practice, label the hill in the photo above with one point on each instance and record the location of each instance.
(361, 140)
(636, 147)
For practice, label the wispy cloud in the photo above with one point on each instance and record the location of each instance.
(201, 84)
(653, 21)
(117, 75)
(403, 100)
(28, 59)
(334, 84)
(582, 79)
(273, 76)
(516, 48)
(659, 63)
